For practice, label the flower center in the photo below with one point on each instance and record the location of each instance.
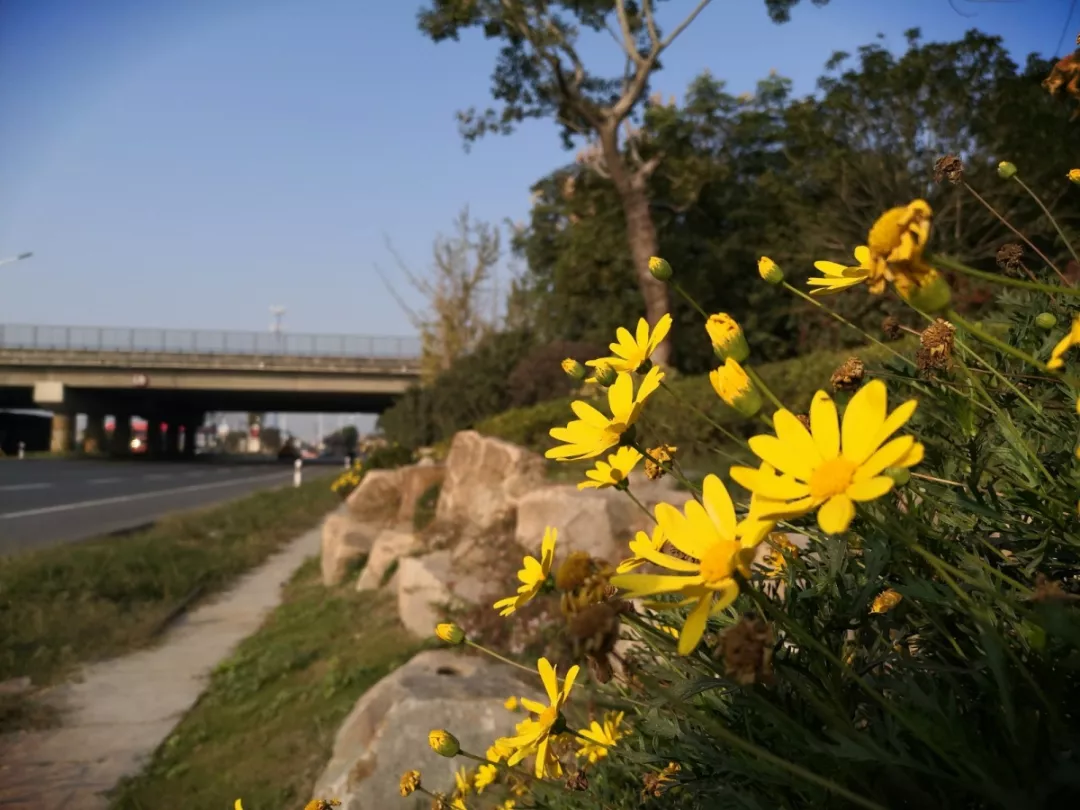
(832, 477)
(717, 563)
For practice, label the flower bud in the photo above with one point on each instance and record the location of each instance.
(727, 337)
(443, 743)
(410, 781)
(899, 475)
(930, 294)
(574, 369)
(1045, 320)
(450, 633)
(770, 270)
(735, 387)
(1006, 169)
(605, 375)
(659, 268)
(1074, 175)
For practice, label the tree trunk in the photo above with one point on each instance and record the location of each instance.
(632, 188)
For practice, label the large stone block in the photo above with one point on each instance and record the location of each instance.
(389, 545)
(422, 586)
(378, 497)
(344, 539)
(414, 482)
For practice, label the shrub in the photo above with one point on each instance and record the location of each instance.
(920, 649)
(539, 377)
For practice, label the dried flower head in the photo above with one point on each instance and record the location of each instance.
(663, 453)
(849, 376)
(892, 329)
(577, 781)
(747, 648)
(655, 783)
(936, 346)
(410, 781)
(1010, 256)
(1048, 590)
(950, 168)
(594, 631)
(575, 569)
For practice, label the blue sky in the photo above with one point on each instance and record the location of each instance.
(189, 164)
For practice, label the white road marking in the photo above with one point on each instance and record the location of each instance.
(67, 507)
(104, 480)
(20, 487)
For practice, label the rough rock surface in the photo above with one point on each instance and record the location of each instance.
(421, 588)
(344, 539)
(583, 518)
(378, 497)
(386, 732)
(413, 482)
(388, 546)
(484, 479)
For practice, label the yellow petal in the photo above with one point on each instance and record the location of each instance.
(589, 415)
(651, 584)
(724, 597)
(870, 489)
(800, 446)
(835, 514)
(914, 456)
(862, 255)
(863, 419)
(676, 528)
(825, 425)
(568, 682)
(772, 451)
(533, 706)
(886, 456)
(663, 326)
(547, 675)
(718, 505)
(896, 420)
(621, 397)
(829, 268)
(694, 628)
(650, 383)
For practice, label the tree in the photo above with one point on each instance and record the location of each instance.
(540, 74)
(460, 309)
(780, 10)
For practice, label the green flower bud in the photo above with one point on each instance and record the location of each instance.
(443, 743)
(727, 337)
(899, 475)
(574, 369)
(450, 633)
(734, 386)
(605, 375)
(659, 268)
(1045, 320)
(1006, 169)
(931, 294)
(770, 270)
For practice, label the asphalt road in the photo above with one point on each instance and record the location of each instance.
(45, 502)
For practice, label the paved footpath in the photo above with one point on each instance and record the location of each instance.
(123, 709)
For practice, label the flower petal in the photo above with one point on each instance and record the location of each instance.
(863, 419)
(870, 489)
(830, 268)
(800, 446)
(772, 451)
(825, 425)
(835, 514)
(694, 627)
(547, 675)
(896, 420)
(621, 397)
(650, 584)
(725, 595)
(663, 326)
(914, 456)
(862, 255)
(886, 456)
(718, 505)
(589, 415)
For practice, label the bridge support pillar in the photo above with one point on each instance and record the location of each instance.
(191, 430)
(155, 444)
(172, 438)
(94, 437)
(63, 433)
(121, 436)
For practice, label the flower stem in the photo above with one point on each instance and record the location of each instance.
(996, 278)
(837, 316)
(1050, 217)
(760, 383)
(704, 415)
(668, 468)
(640, 505)
(989, 339)
(505, 660)
(675, 285)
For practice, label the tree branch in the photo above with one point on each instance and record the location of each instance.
(684, 25)
(650, 24)
(628, 45)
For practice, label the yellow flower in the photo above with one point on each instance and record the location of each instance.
(322, 804)
(769, 270)
(461, 782)
(443, 743)
(828, 466)
(592, 433)
(532, 575)
(485, 775)
(727, 338)
(718, 545)
(641, 547)
(659, 268)
(838, 277)
(631, 352)
(775, 562)
(600, 737)
(450, 633)
(613, 472)
(734, 386)
(238, 805)
(534, 736)
(671, 631)
(662, 454)
(1071, 339)
(410, 781)
(511, 705)
(1074, 175)
(896, 243)
(509, 804)
(885, 601)
(574, 369)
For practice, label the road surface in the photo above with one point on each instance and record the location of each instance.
(45, 502)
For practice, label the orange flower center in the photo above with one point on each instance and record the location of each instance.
(718, 563)
(832, 477)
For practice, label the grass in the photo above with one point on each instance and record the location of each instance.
(62, 606)
(264, 728)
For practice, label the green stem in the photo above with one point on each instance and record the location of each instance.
(1005, 380)
(1007, 281)
(760, 383)
(640, 505)
(837, 316)
(704, 415)
(689, 299)
(989, 339)
(1050, 217)
(504, 659)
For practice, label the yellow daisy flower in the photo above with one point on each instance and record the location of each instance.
(1074, 175)
(534, 736)
(641, 547)
(727, 338)
(532, 575)
(886, 601)
(614, 472)
(1058, 352)
(462, 784)
(718, 545)
(734, 386)
(896, 243)
(511, 704)
(775, 563)
(631, 352)
(600, 737)
(592, 433)
(485, 776)
(837, 277)
(828, 466)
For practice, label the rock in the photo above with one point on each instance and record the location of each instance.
(484, 479)
(414, 481)
(378, 497)
(627, 518)
(386, 732)
(583, 518)
(389, 545)
(16, 686)
(423, 586)
(344, 539)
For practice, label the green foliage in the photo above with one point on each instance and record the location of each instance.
(388, 457)
(539, 376)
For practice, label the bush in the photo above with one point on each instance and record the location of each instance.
(539, 376)
(388, 457)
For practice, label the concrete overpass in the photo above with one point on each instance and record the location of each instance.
(177, 376)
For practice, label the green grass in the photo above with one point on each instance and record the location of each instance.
(63, 606)
(264, 728)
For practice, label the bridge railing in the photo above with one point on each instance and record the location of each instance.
(195, 341)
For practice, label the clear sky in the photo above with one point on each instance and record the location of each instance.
(189, 164)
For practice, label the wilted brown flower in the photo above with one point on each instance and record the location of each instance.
(574, 570)
(892, 329)
(1010, 256)
(746, 648)
(936, 346)
(1048, 590)
(577, 781)
(663, 453)
(849, 375)
(594, 630)
(950, 168)
(656, 783)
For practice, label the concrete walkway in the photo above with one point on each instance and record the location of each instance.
(121, 710)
